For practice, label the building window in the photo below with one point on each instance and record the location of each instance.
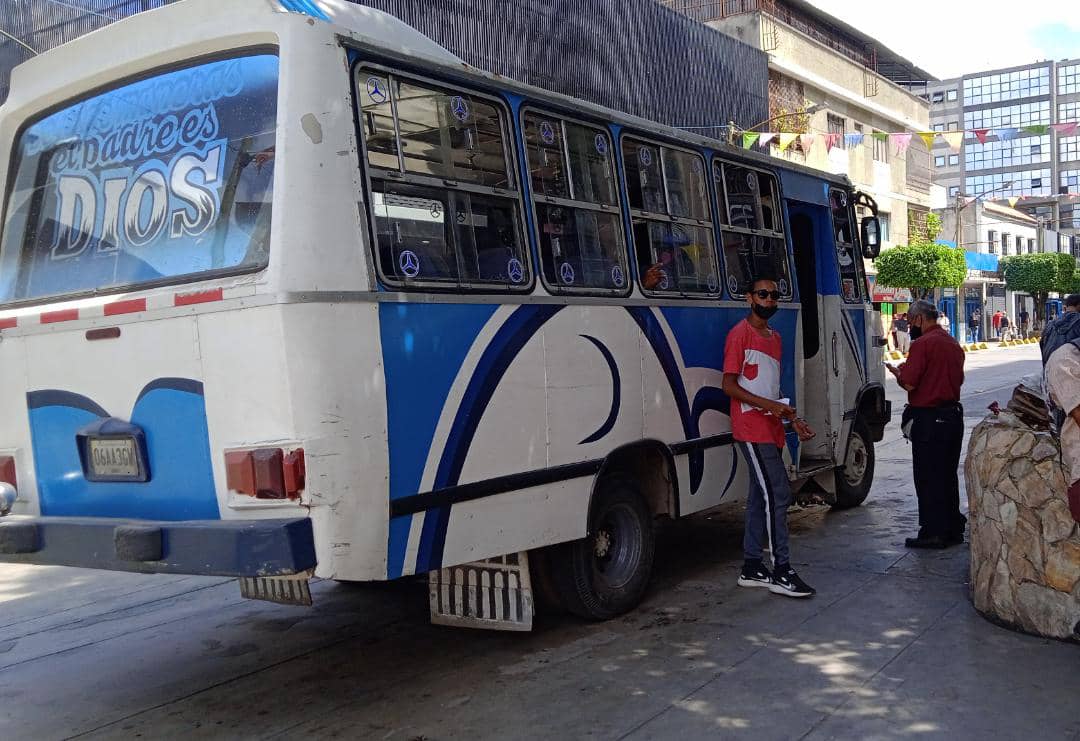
(1069, 148)
(1019, 114)
(991, 242)
(1019, 245)
(937, 98)
(995, 88)
(950, 95)
(884, 220)
(1068, 79)
(954, 191)
(1070, 180)
(1005, 244)
(999, 154)
(954, 159)
(1070, 216)
(837, 125)
(1031, 246)
(1068, 112)
(881, 149)
(939, 161)
(1022, 183)
(939, 127)
(954, 125)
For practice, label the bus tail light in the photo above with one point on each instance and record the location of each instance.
(7, 471)
(265, 473)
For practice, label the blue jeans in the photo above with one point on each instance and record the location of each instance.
(766, 504)
(974, 332)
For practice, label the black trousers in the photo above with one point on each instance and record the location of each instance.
(937, 435)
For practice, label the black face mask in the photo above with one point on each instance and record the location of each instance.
(915, 333)
(765, 312)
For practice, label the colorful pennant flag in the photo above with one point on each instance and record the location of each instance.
(1007, 135)
(830, 141)
(766, 137)
(853, 140)
(1038, 130)
(806, 141)
(1012, 201)
(1065, 129)
(881, 136)
(955, 140)
(749, 138)
(928, 138)
(901, 142)
(786, 140)
(982, 135)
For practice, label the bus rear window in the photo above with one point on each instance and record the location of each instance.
(158, 181)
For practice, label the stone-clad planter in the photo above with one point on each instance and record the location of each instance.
(1025, 546)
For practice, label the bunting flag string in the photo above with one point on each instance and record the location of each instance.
(901, 140)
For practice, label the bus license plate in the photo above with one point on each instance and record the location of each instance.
(115, 458)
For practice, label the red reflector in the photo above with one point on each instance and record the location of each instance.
(240, 472)
(7, 471)
(265, 473)
(294, 472)
(269, 476)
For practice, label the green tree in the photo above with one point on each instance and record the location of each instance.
(1038, 275)
(922, 265)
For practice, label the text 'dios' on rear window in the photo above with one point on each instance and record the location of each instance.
(156, 181)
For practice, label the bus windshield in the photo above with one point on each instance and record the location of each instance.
(155, 181)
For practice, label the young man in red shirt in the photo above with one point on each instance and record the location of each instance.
(752, 357)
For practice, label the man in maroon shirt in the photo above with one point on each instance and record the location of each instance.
(934, 423)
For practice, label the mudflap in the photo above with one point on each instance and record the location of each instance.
(285, 590)
(495, 594)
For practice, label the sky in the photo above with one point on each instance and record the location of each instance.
(949, 38)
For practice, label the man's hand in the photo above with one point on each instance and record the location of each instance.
(779, 409)
(805, 431)
(894, 369)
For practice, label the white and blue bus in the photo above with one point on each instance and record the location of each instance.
(288, 290)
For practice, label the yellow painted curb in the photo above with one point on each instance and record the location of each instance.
(982, 346)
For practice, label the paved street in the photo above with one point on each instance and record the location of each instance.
(890, 647)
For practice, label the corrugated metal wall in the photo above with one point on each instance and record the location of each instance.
(632, 55)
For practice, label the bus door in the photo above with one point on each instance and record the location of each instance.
(823, 362)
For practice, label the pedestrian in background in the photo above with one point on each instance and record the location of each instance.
(973, 324)
(933, 421)
(900, 330)
(996, 321)
(1003, 332)
(942, 321)
(1023, 323)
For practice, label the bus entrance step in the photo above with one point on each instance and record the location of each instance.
(495, 594)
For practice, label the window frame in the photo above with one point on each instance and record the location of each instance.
(614, 209)
(14, 159)
(856, 254)
(634, 213)
(721, 226)
(401, 176)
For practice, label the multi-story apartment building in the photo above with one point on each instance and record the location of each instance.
(1043, 167)
(853, 85)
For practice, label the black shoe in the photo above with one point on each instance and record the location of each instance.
(788, 583)
(755, 575)
(935, 542)
(955, 539)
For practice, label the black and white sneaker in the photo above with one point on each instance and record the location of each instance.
(786, 582)
(755, 575)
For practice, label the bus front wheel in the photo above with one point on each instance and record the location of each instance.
(854, 479)
(605, 574)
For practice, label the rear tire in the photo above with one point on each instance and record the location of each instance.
(854, 479)
(605, 574)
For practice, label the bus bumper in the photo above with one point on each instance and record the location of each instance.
(278, 547)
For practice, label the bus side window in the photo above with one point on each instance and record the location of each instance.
(751, 228)
(572, 173)
(669, 206)
(847, 256)
(444, 201)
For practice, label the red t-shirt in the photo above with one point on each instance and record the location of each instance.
(935, 367)
(756, 360)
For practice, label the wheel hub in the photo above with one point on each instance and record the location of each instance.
(856, 461)
(601, 543)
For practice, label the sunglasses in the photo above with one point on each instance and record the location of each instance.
(763, 294)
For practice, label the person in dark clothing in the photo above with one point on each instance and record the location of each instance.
(934, 423)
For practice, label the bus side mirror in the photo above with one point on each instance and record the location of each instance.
(871, 237)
